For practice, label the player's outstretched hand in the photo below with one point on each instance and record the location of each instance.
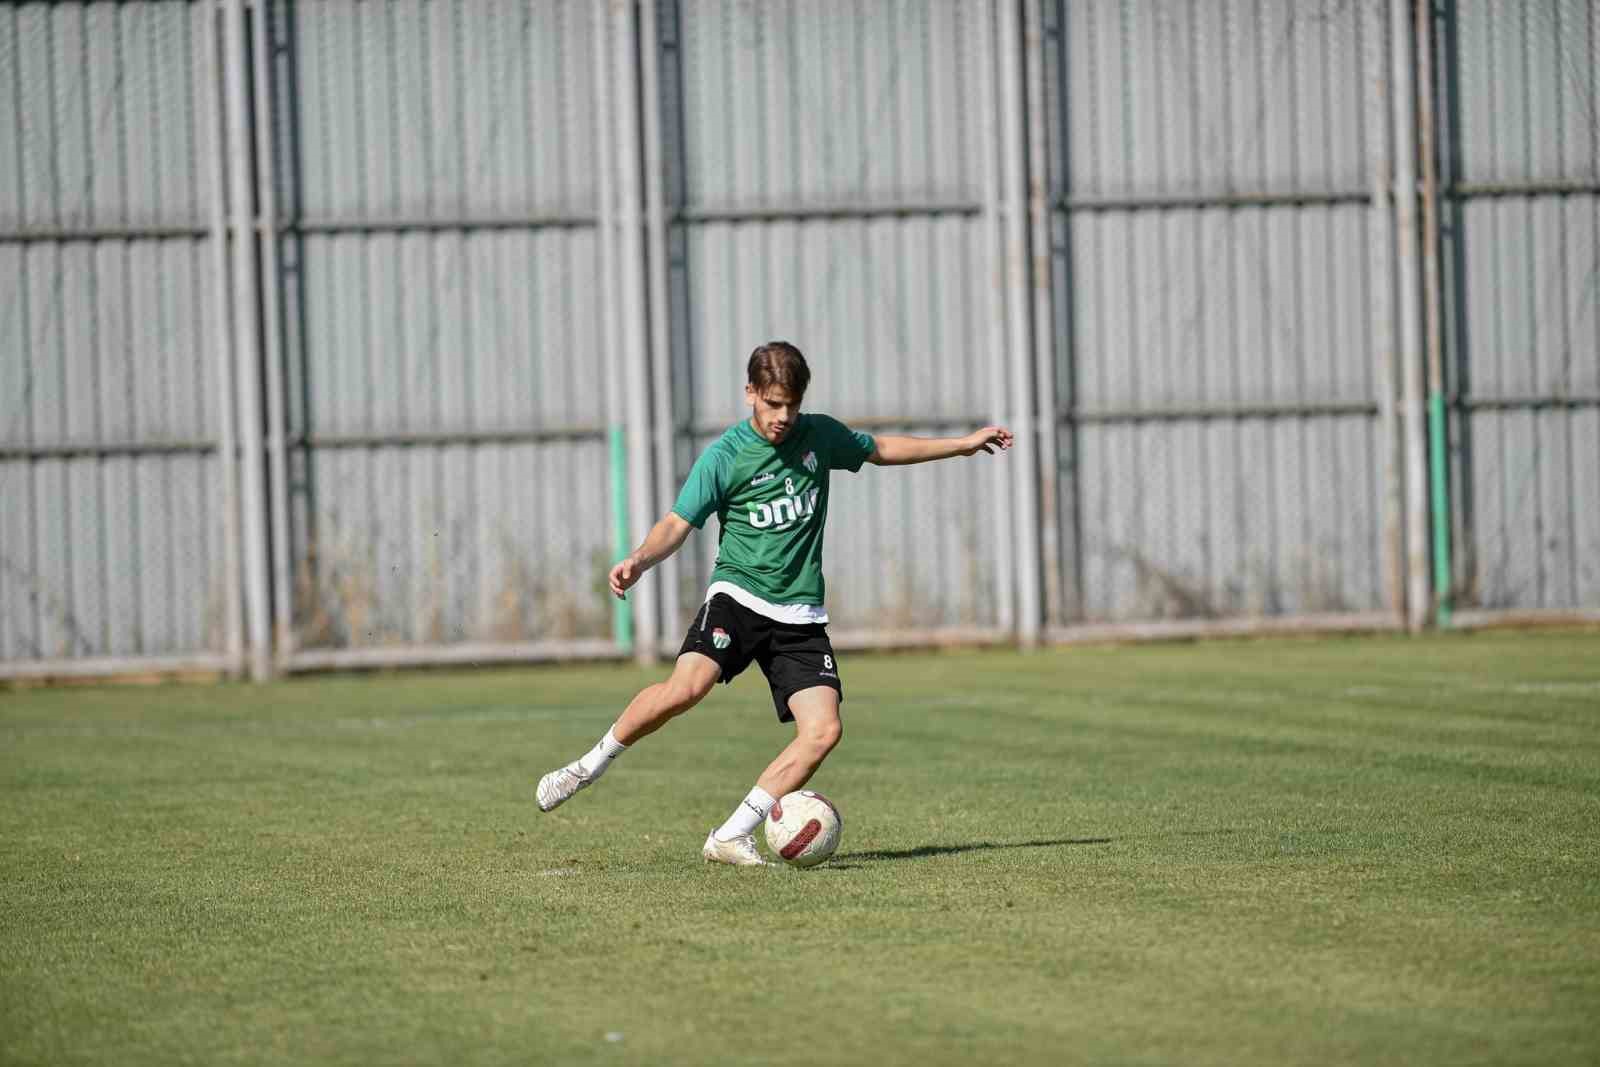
(624, 575)
(989, 439)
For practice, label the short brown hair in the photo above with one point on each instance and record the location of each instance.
(779, 363)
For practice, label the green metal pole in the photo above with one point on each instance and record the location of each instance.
(622, 611)
(1438, 460)
(1439, 478)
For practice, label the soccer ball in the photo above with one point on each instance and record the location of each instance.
(803, 828)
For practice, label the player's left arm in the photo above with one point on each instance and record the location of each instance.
(896, 451)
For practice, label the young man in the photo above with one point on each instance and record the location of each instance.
(766, 479)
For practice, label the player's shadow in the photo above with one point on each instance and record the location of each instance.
(878, 855)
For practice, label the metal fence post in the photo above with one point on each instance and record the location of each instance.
(636, 378)
(1381, 235)
(227, 442)
(605, 234)
(1410, 293)
(1043, 318)
(248, 350)
(1438, 462)
(660, 334)
(1025, 451)
(994, 308)
(272, 340)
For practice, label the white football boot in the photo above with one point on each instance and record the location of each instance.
(740, 852)
(557, 787)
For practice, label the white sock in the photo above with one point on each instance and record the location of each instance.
(599, 757)
(748, 815)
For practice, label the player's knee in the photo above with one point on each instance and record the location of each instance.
(683, 694)
(823, 736)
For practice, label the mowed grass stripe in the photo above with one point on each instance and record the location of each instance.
(1332, 851)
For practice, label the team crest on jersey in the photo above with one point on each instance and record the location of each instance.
(810, 462)
(720, 638)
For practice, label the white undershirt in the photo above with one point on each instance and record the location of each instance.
(789, 614)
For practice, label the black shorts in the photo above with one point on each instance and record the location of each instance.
(792, 657)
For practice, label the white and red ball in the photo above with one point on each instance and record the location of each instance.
(803, 828)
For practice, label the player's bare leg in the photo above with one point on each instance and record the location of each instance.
(656, 705)
(652, 708)
(817, 730)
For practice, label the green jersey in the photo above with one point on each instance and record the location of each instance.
(772, 502)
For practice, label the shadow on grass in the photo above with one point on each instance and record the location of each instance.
(949, 850)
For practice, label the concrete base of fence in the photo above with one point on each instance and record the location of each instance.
(467, 654)
(1486, 620)
(122, 668)
(472, 654)
(1195, 629)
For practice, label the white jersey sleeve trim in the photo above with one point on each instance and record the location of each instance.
(789, 614)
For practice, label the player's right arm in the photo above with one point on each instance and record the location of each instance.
(664, 538)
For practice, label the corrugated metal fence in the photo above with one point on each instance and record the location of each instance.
(1218, 346)
(113, 412)
(339, 334)
(1520, 100)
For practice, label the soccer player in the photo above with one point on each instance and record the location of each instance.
(766, 479)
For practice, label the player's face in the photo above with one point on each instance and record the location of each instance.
(776, 411)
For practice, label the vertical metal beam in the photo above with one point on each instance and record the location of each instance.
(1408, 263)
(1025, 526)
(636, 375)
(1380, 233)
(660, 333)
(994, 308)
(606, 235)
(1432, 298)
(227, 443)
(246, 336)
(1043, 319)
(277, 460)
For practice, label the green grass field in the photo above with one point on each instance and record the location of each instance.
(1372, 850)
